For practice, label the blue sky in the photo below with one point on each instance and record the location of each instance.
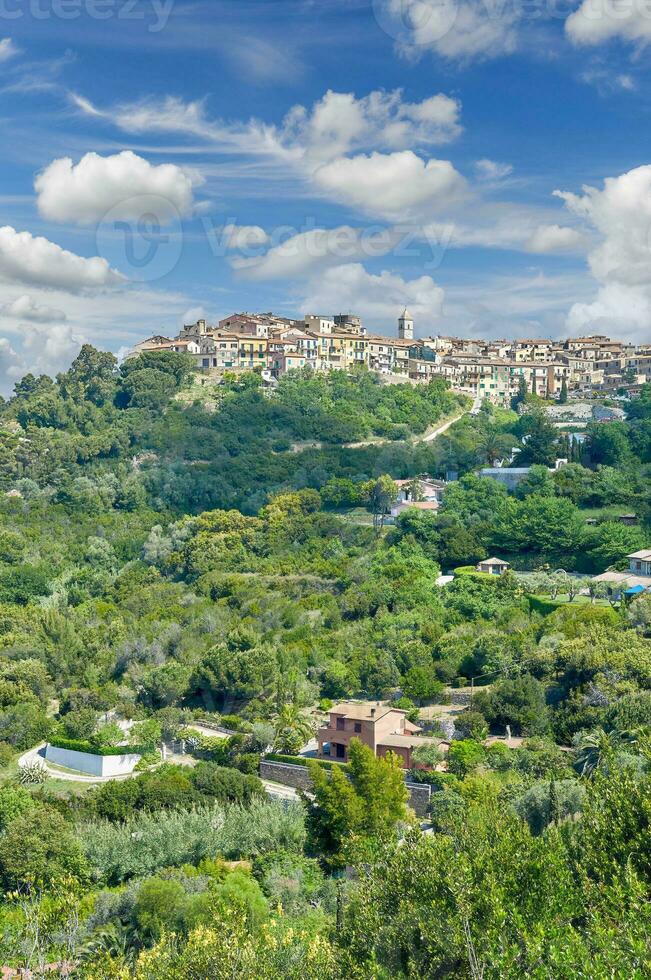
(485, 162)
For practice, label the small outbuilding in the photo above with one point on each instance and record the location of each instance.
(493, 566)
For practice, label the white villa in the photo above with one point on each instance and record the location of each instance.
(422, 492)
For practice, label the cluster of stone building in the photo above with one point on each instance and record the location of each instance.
(492, 369)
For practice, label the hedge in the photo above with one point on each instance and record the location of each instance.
(78, 745)
(299, 760)
(545, 607)
(469, 571)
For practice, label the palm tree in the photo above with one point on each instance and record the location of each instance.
(293, 729)
(494, 445)
(595, 748)
(490, 446)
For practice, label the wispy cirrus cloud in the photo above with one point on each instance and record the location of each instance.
(334, 125)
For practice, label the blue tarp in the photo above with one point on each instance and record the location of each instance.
(634, 590)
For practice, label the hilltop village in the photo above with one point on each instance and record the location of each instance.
(485, 369)
(305, 672)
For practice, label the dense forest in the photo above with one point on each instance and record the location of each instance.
(172, 553)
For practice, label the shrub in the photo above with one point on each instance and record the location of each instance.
(471, 724)
(32, 774)
(24, 725)
(80, 724)
(519, 703)
(149, 841)
(465, 756)
(535, 805)
(167, 787)
(248, 763)
(39, 850)
(226, 785)
(446, 809)
(14, 800)
(437, 780)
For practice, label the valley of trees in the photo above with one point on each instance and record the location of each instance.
(172, 554)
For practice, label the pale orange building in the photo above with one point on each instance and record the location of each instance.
(383, 728)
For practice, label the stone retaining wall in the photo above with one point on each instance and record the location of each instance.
(460, 696)
(288, 775)
(299, 778)
(420, 795)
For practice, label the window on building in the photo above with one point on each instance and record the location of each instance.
(340, 752)
(341, 724)
(358, 727)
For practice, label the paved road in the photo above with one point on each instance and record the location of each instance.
(476, 406)
(431, 436)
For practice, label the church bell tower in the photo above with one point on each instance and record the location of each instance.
(406, 326)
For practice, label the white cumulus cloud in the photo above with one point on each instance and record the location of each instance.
(620, 212)
(124, 185)
(26, 308)
(378, 298)
(554, 238)
(462, 30)
(12, 366)
(48, 350)
(597, 21)
(340, 123)
(390, 184)
(25, 258)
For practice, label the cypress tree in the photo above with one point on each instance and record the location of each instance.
(554, 803)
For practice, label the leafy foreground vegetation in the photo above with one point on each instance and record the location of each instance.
(219, 577)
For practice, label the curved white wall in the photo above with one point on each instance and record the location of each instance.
(92, 765)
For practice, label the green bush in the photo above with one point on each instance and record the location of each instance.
(470, 571)
(465, 756)
(77, 745)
